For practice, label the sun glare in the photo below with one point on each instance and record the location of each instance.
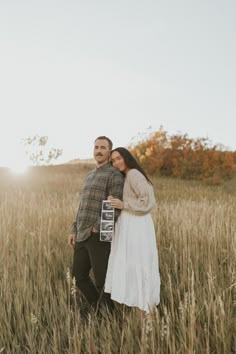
(19, 169)
(16, 160)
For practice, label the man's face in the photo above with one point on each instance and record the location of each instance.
(101, 151)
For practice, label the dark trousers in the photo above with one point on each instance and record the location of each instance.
(92, 254)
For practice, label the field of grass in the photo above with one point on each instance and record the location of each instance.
(196, 235)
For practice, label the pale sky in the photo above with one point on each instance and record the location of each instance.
(73, 70)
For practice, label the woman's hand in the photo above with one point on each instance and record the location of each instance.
(116, 203)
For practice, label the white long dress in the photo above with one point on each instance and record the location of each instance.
(133, 272)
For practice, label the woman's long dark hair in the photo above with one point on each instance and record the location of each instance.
(130, 161)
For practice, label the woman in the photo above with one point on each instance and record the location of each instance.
(133, 272)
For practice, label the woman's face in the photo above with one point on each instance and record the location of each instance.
(118, 162)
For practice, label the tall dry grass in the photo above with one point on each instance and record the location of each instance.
(196, 236)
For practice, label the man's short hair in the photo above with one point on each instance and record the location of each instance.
(103, 137)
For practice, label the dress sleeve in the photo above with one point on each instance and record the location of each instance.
(142, 200)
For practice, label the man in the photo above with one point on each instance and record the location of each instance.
(89, 251)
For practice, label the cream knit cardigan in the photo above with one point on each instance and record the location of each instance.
(138, 194)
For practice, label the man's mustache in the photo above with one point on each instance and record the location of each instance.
(99, 154)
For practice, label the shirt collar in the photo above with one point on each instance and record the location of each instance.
(103, 166)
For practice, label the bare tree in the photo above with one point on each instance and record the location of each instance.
(38, 152)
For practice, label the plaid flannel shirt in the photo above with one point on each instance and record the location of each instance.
(98, 185)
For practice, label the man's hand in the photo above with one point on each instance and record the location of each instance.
(71, 240)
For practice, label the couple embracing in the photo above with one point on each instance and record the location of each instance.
(125, 270)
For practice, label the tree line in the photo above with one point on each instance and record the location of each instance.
(179, 155)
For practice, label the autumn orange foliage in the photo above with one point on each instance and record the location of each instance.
(184, 157)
